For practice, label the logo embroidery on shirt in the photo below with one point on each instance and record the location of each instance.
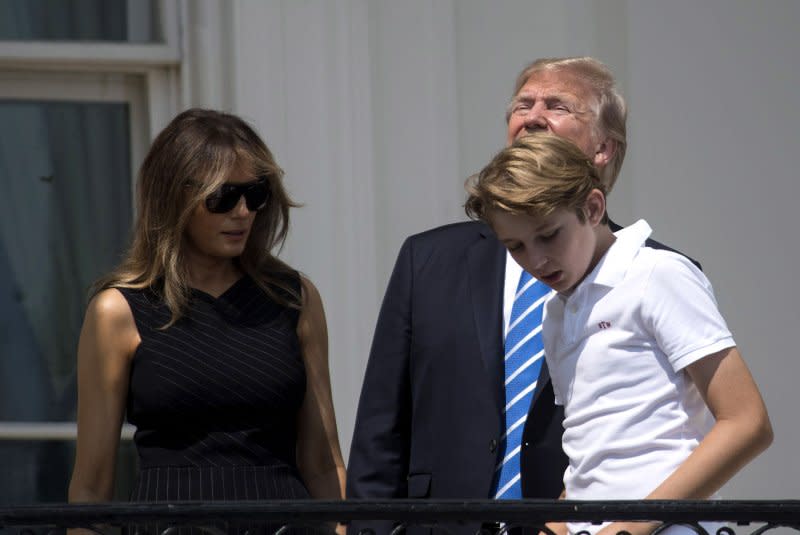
(604, 324)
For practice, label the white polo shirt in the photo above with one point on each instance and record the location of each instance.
(616, 349)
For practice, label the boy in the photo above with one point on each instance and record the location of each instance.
(637, 350)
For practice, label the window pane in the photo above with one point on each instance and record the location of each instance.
(66, 182)
(65, 173)
(132, 21)
(39, 471)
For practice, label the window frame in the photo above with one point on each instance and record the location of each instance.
(145, 75)
(101, 54)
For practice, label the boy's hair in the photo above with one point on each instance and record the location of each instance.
(535, 175)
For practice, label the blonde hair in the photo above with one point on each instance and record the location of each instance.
(535, 175)
(611, 110)
(201, 146)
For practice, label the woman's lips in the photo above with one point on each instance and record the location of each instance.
(234, 234)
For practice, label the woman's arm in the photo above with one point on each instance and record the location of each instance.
(742, 431)
(319, 457)
(107, 342)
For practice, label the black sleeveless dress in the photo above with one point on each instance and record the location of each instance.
(215, 398)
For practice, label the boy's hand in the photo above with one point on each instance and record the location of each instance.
(558, 528)
(633, 528)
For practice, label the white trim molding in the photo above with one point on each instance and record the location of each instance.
(50, 431)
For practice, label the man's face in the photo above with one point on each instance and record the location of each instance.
(560, 103)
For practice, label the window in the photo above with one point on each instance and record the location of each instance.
(134, 21)
(75, 120)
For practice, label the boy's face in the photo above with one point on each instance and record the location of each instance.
(558, 249)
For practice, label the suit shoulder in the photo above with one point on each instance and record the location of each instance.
(457, 234)
(653, 244)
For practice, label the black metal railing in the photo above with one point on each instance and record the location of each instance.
(446, 517)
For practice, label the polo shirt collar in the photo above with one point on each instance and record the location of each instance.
(614, 265)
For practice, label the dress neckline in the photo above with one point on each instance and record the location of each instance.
(221, 297)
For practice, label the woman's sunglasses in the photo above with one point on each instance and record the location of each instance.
(227, 196)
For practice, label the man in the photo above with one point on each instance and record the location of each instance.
(431, 420)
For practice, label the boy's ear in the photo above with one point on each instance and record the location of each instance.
(595, 207)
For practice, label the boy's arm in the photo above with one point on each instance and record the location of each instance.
(742, 431)
(558, 528)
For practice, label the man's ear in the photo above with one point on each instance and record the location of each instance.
(604, 151)
(595, 207)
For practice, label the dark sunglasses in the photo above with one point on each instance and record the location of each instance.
(227, 196)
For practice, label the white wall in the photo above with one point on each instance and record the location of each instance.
(378, 110)
(303, 76)
(713, 93)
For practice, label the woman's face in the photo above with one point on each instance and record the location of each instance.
(219, 236)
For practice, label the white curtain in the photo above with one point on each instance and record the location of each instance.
(66, 211)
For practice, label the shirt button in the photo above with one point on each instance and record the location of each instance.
(492, 446)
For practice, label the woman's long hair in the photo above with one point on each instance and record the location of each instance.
(202, 147)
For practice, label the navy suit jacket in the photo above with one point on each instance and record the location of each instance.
(430, 415)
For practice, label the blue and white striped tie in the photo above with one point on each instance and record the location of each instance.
(524, 354)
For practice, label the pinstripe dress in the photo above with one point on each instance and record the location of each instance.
(215, 398)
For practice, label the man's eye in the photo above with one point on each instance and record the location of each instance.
(515, 247)
(520, 107)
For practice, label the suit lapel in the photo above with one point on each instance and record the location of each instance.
(544, 378)
(486, 259)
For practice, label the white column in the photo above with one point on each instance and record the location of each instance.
(303, 78)
(207, 76)
(415, 103)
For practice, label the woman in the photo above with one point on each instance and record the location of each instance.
(216, 349)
